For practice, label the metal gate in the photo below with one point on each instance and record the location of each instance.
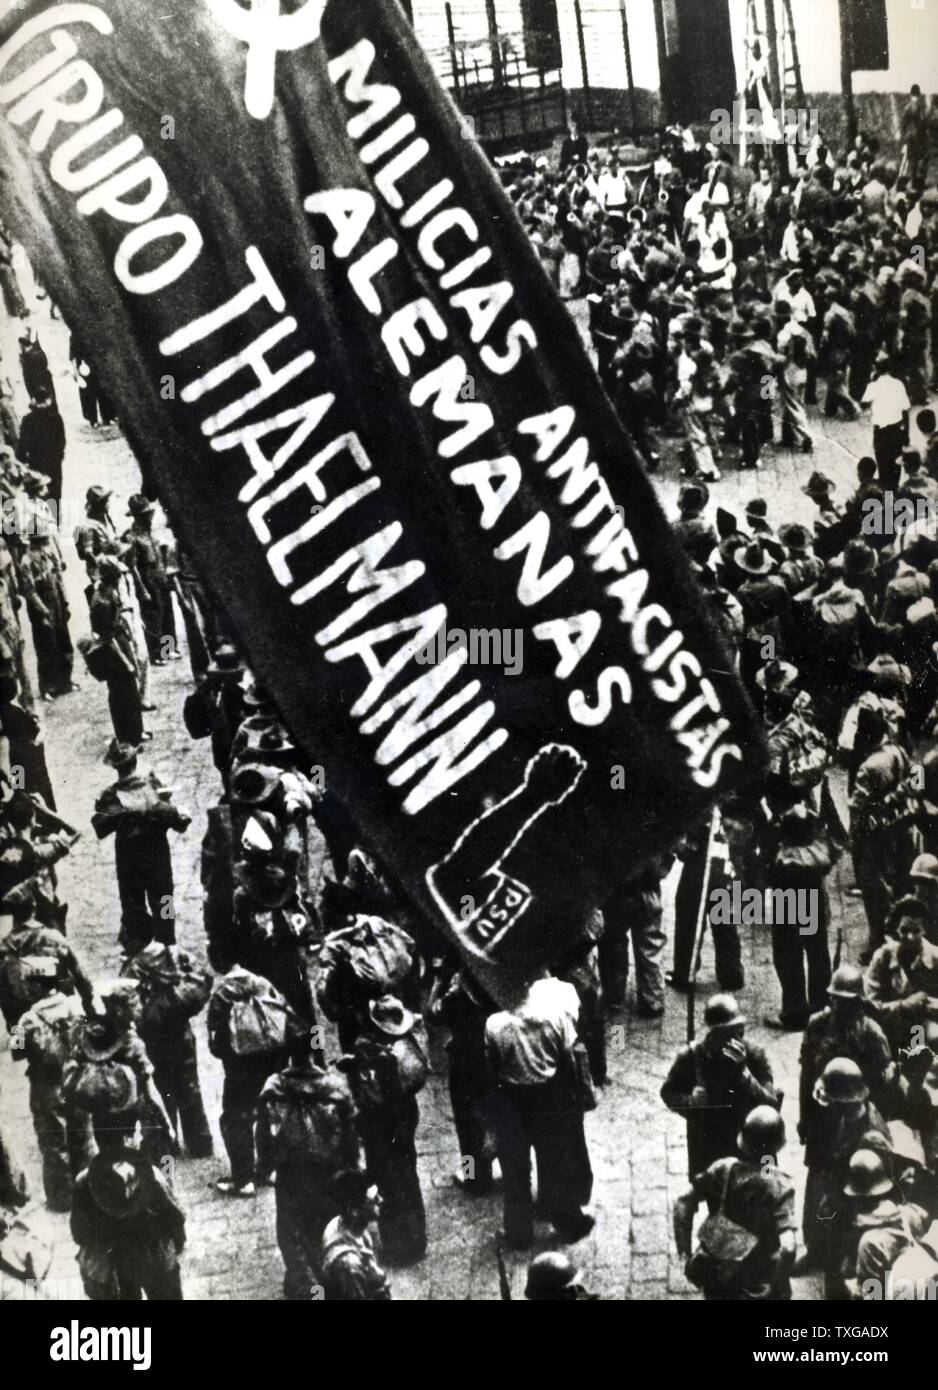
(508, 81)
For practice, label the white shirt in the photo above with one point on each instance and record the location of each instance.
(613, 189)
(802, 305)
(694, 205)
(527, 1045)
(708, 227)
(686, 371)
(791, 246)
(719, 195)
(592, 187)
(709, 263)
(792, 329)
(759, 195)
(889, 400)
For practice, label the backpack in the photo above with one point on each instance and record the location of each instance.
(261, 1024)
(311, 1128)
(49, 1031)
(807, 757)
(915, 1267)
(719, 1263)
(101, 1088)
(380, 955)
(170, 994)
(897, 808)
(29, 968)
(410, 1058)
(836, 615)
(800, 574)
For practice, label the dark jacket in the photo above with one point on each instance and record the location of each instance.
(715, 1097)
(42, 441)
(133, 810)
(829, 1035)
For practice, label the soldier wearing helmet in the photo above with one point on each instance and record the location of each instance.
(883, 1227)
(845, 1028)
(845, 1118)
(881, 836)
(923, 884)
(752, 1192)
(715, 1081)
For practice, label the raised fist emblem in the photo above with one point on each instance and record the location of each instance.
(475, 868)
(553, 773)
(267, 32)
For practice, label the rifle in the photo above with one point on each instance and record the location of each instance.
(839, 838)
(504, 1283)
(837, 831)
(699, 930)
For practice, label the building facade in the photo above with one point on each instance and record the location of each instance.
(687, 57)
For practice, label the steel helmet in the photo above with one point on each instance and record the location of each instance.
(549, 1275)
(763, 1131)
(841, 1083)
(867, 1176)
(925, 866)
(846, 983)
(722, 1011)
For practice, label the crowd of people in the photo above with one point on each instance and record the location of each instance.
(722, 302)
(719, 293)
(300, 924)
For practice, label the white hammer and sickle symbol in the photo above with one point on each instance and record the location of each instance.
(266, 32)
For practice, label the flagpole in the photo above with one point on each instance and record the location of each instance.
(699, 929)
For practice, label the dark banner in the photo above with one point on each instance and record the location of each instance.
(376, 432)
(869, 35)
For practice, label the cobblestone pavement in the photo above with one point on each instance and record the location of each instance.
(637, 1148)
